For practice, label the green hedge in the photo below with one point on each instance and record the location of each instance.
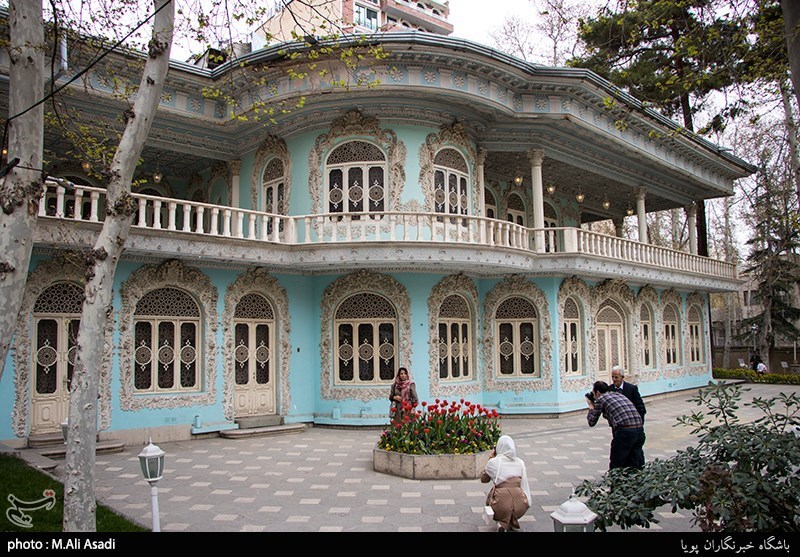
(752, 377)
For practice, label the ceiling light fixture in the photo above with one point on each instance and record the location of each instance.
(86, 166)
(606, 204)
(551, 189)
(518, 180)
(580, 196)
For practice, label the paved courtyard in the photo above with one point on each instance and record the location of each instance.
(321, 480)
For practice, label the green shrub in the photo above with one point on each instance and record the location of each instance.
(738, 478)
(752, 377)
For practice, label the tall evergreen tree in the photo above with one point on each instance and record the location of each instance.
(670, 53)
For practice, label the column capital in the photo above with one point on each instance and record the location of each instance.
(691, 209)
(536, 156)
(640, 193)
(481, 156)
(235, 167)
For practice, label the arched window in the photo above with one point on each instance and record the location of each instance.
(356, 179)
(573, 338)
(516, 338)
(610, 330)
(550, 221)
(671, 335)
(365, 340)
(455, 338)
(490, 204)
(166, 339)
(56, 317)
(450, 182)
(516, 210)
(695, 336)
(648, 338)
(273, 183)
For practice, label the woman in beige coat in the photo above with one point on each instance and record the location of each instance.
(510, 496)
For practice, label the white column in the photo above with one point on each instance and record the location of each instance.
(641, 215)
(691, 222)
(480, 161)
(536, 157)
(234, 168)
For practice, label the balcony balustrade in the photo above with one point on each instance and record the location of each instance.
(214, 221)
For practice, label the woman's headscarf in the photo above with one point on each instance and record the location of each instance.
(403, 387)
(506, 465)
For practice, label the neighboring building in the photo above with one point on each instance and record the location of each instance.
(433, 221)
(323, 17)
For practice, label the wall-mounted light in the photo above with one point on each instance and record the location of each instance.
(579, 197)
(629, 211)
(518, 180)
(86, 166)
(551, 189)
(606, 204)
(157, 177)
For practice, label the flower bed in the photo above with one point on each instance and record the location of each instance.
(442, 428)
(442, 440)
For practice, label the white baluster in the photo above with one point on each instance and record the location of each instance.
(172, 208)
(199, 214)
(77, 212)
(157, 204)
(142, 212)
(95, 196)
(214, 221)
(226, 223)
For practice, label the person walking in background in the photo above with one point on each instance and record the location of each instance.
(403, 390)
(630, 390)
(510, 496)
(628, 437)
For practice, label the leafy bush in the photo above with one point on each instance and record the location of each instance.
(738, 478)
(752, 377)
(442, 428)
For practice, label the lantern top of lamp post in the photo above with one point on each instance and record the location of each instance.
(151, 451)
(573, 512)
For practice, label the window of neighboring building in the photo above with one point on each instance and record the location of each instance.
(450, 182)
(516, 338)
(356, 176)
(366, 17)
(648, 339)
(365, 340)
(671, 335)
(166, 326)
(573, 338)
(695, 336)
(455, 338)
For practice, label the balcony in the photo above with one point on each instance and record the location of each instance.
(165, 228)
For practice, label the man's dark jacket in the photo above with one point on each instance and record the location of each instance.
(631, 391)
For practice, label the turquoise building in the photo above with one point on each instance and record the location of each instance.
(439, 219)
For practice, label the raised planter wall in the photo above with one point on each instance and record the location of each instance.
(430, 467)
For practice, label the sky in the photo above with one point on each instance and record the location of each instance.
(472, 20)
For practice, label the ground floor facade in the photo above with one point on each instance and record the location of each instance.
(191, 349)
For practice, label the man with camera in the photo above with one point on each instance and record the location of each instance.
(627, 442)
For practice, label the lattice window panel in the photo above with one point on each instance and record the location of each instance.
(355, 151)
(273, 171)
(253, 306)
(62, 297)
(516, 308)
(167, 301)
(450, 158)
(365, 306)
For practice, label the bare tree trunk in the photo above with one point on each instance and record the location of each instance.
(791, 23)
(21, 188)
(791, 133)
(79, 488)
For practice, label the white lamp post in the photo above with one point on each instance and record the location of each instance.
(573, 516)
(152, 460)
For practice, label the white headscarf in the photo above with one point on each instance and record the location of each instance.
(506, 465)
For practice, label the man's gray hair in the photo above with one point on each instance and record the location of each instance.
(619, 369)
